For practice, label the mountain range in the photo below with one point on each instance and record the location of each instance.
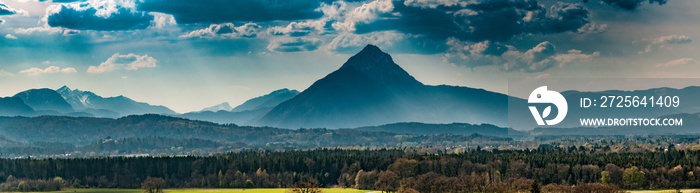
(77, 103)
(245, 114)
(368, 90)
(109, 106)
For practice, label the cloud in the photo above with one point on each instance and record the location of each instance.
(434, 3)
(98, 15)
(68, 70)
(537, 59)
(298, 29)
(161, 20)
(293, 44)
(46, 28)
(364, 14)
(672, 39)
(48, 70)
(630, 4)
(676, 62)
(5, 74)
(225, 30)
(593, 28)
(508, 58)
(6, 10)
(223, 11)
(666, 40)
(348, 43)
(574, 56)
(129, 62)
(10, 36)
(389, 41)
(474, 21)
(562, 18)
(324, 25)
(61, 1)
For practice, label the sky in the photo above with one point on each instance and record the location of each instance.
(188, 55)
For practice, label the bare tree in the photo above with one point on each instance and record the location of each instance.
(310, 186)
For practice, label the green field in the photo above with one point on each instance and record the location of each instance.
(277, 190)
(661, 191)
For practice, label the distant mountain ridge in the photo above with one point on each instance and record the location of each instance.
(452, 128)
(220, 107)
(45, 99)
(67, 102)
(266, 101)
(87, 130)
(14, 106)
(370, 89)
(246, 113)
(111, 106)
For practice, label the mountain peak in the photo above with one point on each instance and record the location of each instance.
(379, 65)
(284, 90)
(220, 107)
(371, 48)
(370, 57)
(63, 88)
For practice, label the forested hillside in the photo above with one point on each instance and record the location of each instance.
(382, 169)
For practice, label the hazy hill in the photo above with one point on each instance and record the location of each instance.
(452, 128)
(246, 113)
(223, 117)
(220, 107)
(87, 130)
(266, 101)
(13, 106)
(45, 100)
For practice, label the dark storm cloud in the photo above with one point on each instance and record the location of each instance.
(5, 10)
(389, 41)
(565, 17)
(221, 11)
(434, 23)
(294, 44)
(85, 17)
(631, 4)
(226, 47)
(492, 20)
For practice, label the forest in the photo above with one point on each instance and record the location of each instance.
(475, 170)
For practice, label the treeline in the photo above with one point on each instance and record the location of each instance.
(382, 169)
(12, 184)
